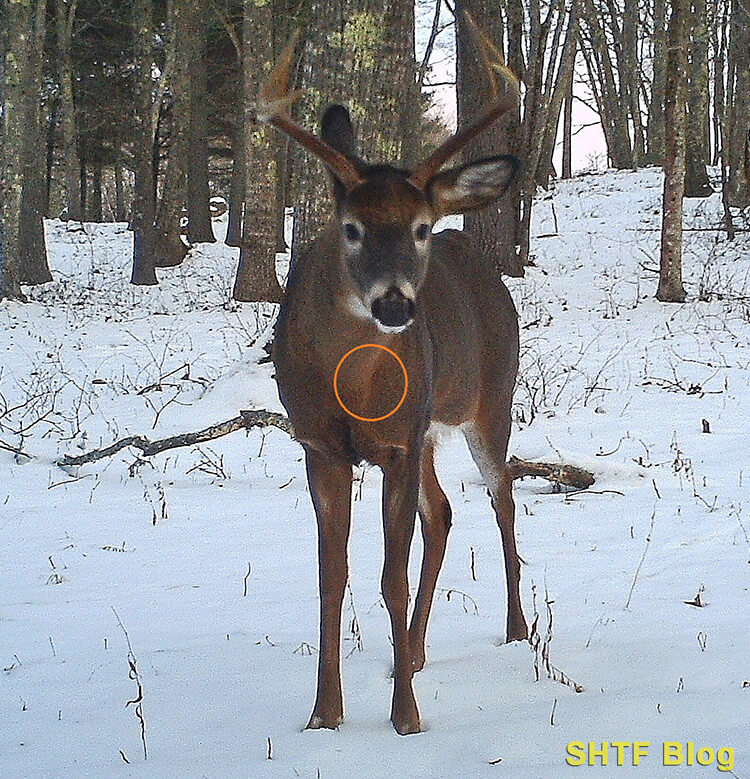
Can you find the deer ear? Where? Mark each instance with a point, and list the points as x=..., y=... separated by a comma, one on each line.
x=472, y=186
x=337, y=131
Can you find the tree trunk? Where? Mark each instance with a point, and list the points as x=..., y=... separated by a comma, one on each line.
x=94, y=205
x=83, y=184
x=16, y=39
x=719, y=59
x=738, y=92
x=32, y=248
x=256, y=274
x=120, y=210
x=613, y=105
x=51, y=124
x=696, y=175
x=655, y=123
x=493, y=231
x=237, y=190
x=567, y=139
x=65, y=11
x=170, y=250
x=630, y=77
x=143, y=202
x=670, y=269
x=199, y=229
x=558, y=84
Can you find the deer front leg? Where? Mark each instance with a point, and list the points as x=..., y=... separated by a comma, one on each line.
x=400, y=493
x=330, y=484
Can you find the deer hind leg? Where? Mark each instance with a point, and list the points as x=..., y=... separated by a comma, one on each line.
x=400, y=493
x=488, y=442
x=330, y=484
x=435, y=516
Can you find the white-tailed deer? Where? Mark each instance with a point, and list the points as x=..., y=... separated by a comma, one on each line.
x=379, y=277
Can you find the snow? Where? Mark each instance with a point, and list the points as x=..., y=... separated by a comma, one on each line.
x=206, y=558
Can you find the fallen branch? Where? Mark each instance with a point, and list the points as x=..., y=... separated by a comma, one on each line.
x=245, y=421
x=567, y=475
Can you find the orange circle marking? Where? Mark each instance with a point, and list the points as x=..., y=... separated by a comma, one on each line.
x=336, y=389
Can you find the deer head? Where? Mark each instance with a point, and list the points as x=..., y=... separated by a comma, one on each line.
x=385, y=214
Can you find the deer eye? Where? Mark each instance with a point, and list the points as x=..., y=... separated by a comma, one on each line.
x=352, y=232
x=422, y=231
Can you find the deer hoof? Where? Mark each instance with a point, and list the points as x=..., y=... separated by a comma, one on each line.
x=406, y=720
x=318, y=721
x=516, y=631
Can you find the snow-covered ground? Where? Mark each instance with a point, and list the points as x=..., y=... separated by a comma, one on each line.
x=194, y=575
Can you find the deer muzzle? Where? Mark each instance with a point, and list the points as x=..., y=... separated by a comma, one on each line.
x=393, y=309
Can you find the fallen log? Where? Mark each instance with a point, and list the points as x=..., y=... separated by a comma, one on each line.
x=558, y=473
x=245, y=421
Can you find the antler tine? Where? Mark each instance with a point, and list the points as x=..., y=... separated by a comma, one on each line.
x=499, y=104
x=274, y=102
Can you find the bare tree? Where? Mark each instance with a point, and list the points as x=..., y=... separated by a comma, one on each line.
x=655, y=122
x=200, y=229
x=696, y=175
x=601, y=38
x=15, y=39
x=170, y=249
x=670, y=269
x=567, y=133
x=65, y=14
x=542, y=51
x=738, y=110
x=143, y=203
x=32, y=248
x=256, y=275
x=493, y=231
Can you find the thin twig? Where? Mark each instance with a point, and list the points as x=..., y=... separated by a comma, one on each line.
x=643, y=557
x=135, y=675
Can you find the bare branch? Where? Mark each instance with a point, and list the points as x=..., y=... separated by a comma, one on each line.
x=430, y=44
x=245, y=421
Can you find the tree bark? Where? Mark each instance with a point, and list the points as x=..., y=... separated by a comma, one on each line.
x=15, y=39
x=256, y=274
x=567, y=138
x=120, y=209
x=170, y=250
x=696, y=175
x=738, y=92
x=237, y=190
x=94, y=205
x=65, y=12
x=199, y=229
x=143, y=202
x=655, y=122
x=32, y=247
x=558, y=84
x=719, y=59
x=670, y=268
x=630, y=76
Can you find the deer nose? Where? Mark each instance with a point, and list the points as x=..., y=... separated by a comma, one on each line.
x=393, y=309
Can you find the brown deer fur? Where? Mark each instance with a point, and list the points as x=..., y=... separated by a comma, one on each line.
x=377, y=276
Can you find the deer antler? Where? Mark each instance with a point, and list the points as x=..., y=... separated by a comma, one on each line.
x=274, y=101
x=494, y=64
